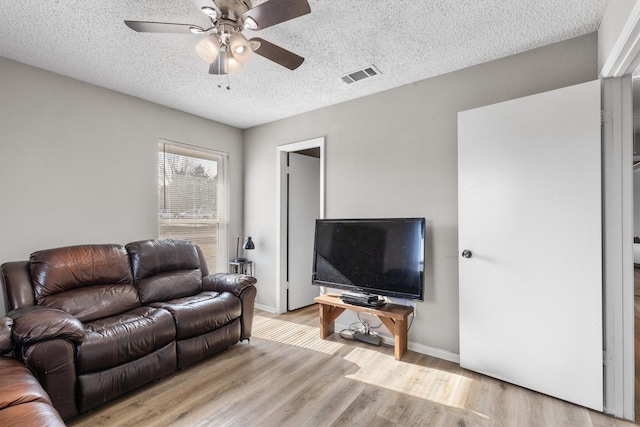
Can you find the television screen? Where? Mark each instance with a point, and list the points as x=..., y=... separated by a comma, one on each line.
x=376, y=256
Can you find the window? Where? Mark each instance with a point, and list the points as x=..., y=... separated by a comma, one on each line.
x=192, y=199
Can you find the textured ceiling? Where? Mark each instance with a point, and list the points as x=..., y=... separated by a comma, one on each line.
x=407, y=40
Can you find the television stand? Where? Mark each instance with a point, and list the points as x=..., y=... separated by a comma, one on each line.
x=393, y=316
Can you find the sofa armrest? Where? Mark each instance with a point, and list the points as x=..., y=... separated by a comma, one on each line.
x=228, y=282
x=240, y=285
x=34, y=323
x=6, y=344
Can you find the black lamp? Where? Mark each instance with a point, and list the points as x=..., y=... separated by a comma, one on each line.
x=247, y=245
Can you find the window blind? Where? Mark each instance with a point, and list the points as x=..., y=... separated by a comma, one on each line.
x=193, y=199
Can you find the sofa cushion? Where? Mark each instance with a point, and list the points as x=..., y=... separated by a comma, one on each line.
x=150, y=257
x=18, y=385
x=23, y=401
x=31, y=414
x=97, y=388
x=95, y=302
x=202, y=313
x=63, y=269
x=87, y=281
x=116, y=340
x=165, y=269
x=195, y=349
x=167, y=286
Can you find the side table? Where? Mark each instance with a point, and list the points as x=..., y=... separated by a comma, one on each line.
x=241, y=267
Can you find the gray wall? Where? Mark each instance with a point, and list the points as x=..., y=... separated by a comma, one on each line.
x=394, y=154
x=78, y=163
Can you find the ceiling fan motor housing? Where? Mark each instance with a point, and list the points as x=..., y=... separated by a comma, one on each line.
x=232, y=10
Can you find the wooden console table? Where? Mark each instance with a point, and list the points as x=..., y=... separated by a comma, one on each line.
x=393, y=316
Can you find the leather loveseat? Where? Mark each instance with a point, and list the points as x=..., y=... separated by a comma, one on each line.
x=23, y=402
x=93, y=322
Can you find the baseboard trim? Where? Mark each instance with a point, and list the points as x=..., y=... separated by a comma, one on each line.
x=413, y=346
x=434, y=352
x=266, y=308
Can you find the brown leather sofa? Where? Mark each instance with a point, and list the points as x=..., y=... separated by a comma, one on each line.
x=23, y=402
x=93, y=322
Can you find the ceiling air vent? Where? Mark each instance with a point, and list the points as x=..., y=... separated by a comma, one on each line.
x=355, y=76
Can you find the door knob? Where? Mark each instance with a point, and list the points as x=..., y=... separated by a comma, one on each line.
x=466, y=253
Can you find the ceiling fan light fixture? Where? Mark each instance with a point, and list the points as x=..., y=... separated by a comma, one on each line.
x=240, y=48
x=208, y=48
x=233, y=65
x=225, y=64
x=250, y=23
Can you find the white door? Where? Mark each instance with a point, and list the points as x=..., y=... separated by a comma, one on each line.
x=303, y=210
x=529, y=177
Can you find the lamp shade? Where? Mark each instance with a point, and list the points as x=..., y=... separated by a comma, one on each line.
x=231, y=64
x=208, y=48
x=240, y=48
x=249, y=244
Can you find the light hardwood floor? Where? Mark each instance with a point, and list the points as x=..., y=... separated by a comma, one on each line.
x=288, y=376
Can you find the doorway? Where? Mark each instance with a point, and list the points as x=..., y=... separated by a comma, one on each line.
x=295, y=241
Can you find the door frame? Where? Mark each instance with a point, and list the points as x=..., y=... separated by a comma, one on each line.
x=617, y=188
x=617, y=141
x=281, y=209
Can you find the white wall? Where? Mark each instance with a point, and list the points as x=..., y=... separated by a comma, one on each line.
x=394, y=154
x=78, y=163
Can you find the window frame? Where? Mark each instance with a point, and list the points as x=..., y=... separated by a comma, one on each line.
x=222, y=205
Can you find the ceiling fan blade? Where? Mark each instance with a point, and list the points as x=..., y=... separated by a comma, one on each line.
x=273, y=12
x=276, y=54
x=162, y=27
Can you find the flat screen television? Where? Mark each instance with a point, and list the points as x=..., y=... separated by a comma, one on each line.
x=372, y=256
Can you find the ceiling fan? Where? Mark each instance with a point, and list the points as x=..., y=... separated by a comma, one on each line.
x=225, y=47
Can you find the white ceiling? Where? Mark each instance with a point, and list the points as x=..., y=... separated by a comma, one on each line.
x=407, y=40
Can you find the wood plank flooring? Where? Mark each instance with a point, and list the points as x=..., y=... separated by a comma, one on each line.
x=288, y=376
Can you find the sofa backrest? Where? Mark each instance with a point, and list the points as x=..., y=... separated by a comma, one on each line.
x=165, y=269
x=87, y=281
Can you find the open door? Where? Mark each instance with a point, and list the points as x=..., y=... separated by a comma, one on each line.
x=530, y=226
x=294, y=251
x=303, y=210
